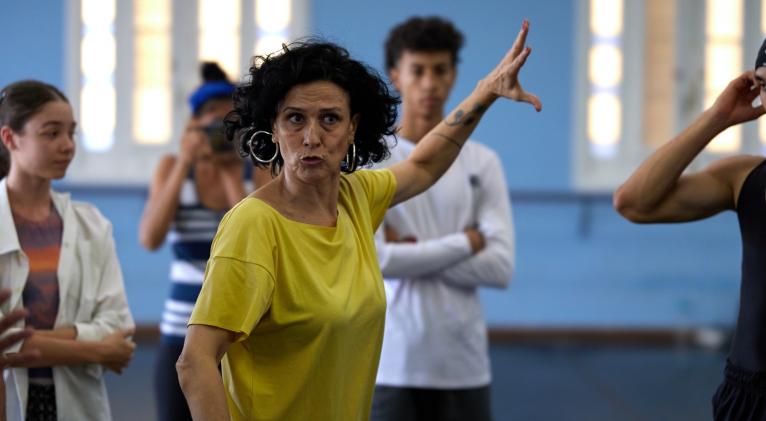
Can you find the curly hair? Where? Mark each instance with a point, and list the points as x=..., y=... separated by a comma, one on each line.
x=430, y=33
x=270, y=79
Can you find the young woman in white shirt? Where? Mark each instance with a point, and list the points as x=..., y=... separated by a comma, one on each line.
x=58, y=258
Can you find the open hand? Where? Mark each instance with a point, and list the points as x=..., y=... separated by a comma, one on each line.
x=503, y=81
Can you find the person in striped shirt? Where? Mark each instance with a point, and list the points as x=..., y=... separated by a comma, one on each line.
x=189, y=195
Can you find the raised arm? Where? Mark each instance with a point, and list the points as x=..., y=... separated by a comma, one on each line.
x=160, y=208
x=659, y=192
x=439, y=148
x=165, y=190
x=198, y=372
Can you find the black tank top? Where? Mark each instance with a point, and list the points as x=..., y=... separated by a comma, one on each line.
x=749, y=346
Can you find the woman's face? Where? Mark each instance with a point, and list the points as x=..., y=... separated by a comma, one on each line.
x=45, y=146
x=314, y=128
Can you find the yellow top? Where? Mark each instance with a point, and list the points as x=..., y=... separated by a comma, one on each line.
x=307, y=302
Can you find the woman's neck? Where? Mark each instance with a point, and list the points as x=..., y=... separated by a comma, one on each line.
x=28, y=195
x=311, y=203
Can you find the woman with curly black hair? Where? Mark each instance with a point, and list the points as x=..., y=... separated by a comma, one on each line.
x=293, y=298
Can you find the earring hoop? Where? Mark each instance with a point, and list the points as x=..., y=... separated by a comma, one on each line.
x=252, y=151
x=351, y=163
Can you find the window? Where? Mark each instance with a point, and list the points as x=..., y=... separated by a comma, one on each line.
x=135, y=62
x=641, y=80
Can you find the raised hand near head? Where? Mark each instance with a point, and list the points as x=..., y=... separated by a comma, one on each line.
x=503, y=80
x=735, y=104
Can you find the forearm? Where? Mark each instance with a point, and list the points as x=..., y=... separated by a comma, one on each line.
x=434, y=154
x=161, y=208
x=68, y=332
x=56, y=351
x=436, y=151
x=203, y=388
x=658, y=175
x=412, y=260
x=490, y=268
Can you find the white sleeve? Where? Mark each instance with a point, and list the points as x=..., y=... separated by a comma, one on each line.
x=411, y=260
x=493, y=266
x=111, y=310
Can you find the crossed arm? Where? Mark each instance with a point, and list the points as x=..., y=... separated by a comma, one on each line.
x=101, y=338
x=451, y=258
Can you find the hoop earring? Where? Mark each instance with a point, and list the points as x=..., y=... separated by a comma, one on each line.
x=351, y=163
x=252, y=151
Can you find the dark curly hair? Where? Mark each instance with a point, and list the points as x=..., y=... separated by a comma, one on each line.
x=430, y=33
x=272, y=76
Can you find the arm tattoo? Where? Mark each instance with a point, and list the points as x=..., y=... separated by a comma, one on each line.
x=468, y=118
x=450, y=140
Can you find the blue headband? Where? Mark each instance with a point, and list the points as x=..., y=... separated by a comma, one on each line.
x=208, y=91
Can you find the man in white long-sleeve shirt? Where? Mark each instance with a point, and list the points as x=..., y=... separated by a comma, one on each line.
x=438, y=248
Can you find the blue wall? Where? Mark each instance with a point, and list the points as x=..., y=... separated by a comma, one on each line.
x=535, y=148
x=33, y=41
x=578, y=263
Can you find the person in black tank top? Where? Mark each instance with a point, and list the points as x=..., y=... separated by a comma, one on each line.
x=658, y=191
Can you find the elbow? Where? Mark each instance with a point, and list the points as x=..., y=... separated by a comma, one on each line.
x=184, y=369
x=625, y=203
x=505, y=276
x=149, y=241
x=509, y=273
x=501, y=276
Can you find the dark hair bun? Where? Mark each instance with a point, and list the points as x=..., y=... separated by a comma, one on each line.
x=212, y=72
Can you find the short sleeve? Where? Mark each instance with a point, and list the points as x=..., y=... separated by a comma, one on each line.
x=234, y=296
x=380, y=187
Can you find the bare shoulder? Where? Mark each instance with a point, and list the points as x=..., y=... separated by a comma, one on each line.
x=734, y=170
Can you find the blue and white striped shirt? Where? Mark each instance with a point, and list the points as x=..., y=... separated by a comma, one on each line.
x=190, y=238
